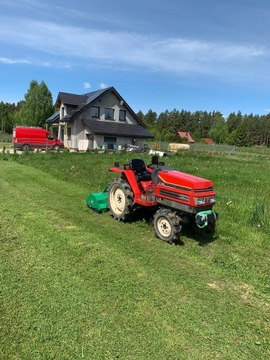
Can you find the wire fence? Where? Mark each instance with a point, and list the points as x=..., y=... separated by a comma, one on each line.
x=227, y=150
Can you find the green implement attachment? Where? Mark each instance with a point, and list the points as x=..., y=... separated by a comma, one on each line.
x=98, y=201
x=203, y=218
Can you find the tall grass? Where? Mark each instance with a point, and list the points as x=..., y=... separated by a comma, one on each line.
x=259, y=216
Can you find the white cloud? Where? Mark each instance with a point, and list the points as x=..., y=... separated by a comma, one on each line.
x=14, y=61
x=86, y=85
x=4, y=60
x=122, y=49
x=103, y=85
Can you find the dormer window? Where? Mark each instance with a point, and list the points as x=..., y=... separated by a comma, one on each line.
x=122, y=115
x=109, y=114
x=95, y=112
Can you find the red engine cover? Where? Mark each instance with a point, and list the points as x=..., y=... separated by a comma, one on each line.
x=183, y=180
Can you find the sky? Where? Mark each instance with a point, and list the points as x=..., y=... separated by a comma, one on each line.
x=207, y=55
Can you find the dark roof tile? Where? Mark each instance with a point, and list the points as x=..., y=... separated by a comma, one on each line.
x=72, y=99
x=99, y=127
x=53, y=118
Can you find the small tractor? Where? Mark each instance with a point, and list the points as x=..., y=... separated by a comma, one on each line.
x=175, y=198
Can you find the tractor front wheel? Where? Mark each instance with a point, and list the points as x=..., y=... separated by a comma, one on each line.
x=167, y=225
x=120, y=199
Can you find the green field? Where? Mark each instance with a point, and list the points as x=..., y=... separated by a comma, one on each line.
x=80, y=285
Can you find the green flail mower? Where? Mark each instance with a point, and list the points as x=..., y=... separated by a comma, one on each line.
x=98, y=201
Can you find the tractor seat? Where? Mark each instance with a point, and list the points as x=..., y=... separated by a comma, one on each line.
x=139, y=168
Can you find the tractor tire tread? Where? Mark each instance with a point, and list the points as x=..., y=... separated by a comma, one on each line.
x=174, y=220
x=123, y=185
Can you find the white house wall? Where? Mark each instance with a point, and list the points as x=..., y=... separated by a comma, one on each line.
x=78, y=131
x=99, y=141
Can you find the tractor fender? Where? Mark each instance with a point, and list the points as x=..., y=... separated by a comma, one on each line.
x=130, y=177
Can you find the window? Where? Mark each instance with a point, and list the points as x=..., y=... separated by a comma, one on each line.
x=110, y=142
x=50, y=137
x=109, y=114
x=95, y=112
x=110, y=139
x=69, y=134
x=122, y=115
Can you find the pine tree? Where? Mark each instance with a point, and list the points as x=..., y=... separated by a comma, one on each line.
x=150, y=118
x=233, y=121
x=241, y=135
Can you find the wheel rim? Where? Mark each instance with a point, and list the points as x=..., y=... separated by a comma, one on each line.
x=117, y=200
x=164, y=227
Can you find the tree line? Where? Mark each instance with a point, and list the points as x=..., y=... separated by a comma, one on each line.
x=237, y=129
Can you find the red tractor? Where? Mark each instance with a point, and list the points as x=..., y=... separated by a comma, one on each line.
x=177, y=198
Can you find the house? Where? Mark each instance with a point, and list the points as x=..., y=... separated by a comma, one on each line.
x=99, y=119
x=186, y=135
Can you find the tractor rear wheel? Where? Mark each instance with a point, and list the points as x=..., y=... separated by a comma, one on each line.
x=167, y=225
x=120, y=199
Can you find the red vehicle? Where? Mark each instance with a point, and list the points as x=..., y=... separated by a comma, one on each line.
x=177, y=198
x=28, y=138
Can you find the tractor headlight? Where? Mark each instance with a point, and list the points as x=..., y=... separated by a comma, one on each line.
x=204, y=200
x=199, y=201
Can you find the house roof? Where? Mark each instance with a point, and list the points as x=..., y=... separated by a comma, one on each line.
x=54, y=117
x=185, y=134
x=81, y=102
x=117, y=129
x=70, y=99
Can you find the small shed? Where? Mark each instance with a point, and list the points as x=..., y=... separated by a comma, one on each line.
x=208, y=140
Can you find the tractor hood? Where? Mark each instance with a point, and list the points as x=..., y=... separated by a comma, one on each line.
x=184, y=181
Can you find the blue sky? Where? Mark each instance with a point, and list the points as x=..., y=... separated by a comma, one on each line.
x=185, y=54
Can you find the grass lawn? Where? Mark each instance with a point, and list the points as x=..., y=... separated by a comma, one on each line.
x=80, y=285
